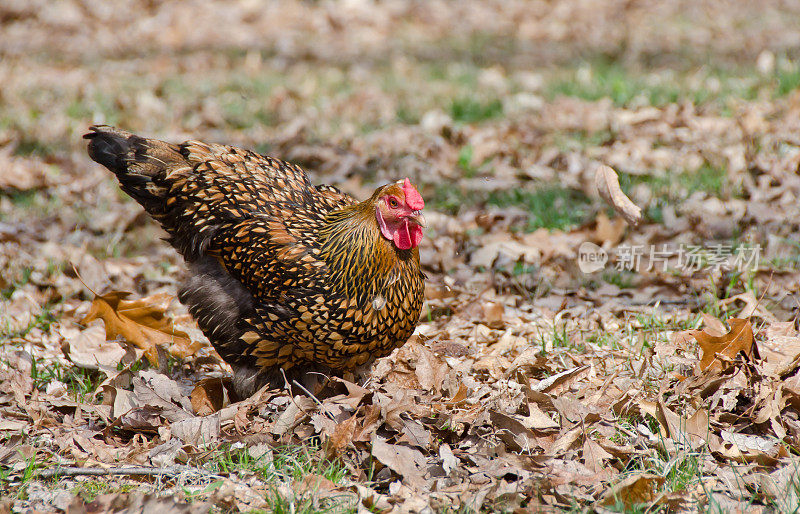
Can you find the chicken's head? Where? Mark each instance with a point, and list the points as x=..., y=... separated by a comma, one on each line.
x=397, y=208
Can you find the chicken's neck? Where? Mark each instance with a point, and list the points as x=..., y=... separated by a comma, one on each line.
x=362, y=262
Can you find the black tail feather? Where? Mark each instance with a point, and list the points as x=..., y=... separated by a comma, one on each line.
x=137, y=162
x=109, y=147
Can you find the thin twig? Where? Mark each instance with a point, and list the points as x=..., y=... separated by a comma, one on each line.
x=319, y=403
x=122, y=470
x=309, y=393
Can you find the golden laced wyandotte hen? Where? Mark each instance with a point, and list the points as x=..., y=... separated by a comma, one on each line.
x=285, y=278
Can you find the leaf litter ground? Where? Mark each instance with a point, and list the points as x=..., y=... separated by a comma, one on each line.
x=529, y=385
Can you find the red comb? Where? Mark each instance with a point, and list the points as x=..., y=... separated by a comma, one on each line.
x=413, y=198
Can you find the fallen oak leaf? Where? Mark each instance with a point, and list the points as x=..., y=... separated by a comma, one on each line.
x=594, y=456
x=208, y=396
x=342, y=437
x=724, y=347
x=407, y=462
x=549, y=383
x=141, y=322
x=456, y=401
x=89, y=349
x=634, y=490
x=752, y=306
x=607, y=183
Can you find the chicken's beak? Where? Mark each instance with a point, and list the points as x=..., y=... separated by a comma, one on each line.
x=417, y=217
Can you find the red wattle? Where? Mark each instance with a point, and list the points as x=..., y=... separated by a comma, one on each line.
x=401, y=236
x=407, y=236
x=416, y=235
x=404, y=235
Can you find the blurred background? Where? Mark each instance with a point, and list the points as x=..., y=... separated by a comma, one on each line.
x=500, y=110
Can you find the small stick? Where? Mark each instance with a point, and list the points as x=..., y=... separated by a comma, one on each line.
x=123, y=470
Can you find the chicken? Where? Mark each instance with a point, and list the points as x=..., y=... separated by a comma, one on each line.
x=285, y=278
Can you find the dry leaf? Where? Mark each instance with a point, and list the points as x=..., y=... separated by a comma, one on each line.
x=141, y=322
x=751, y=308
x=594, y=456
x=608, y=232
x=407, y=462
x=23, y=173
x=197, y=431
x=513, y=432
x=607, y=183
x=548, y=384
x=714, y=327
x=493, y=314
x=632, y=491
x=89, y=349
x=208, y=396
x=449, y=461
x=342, y=436
x=738, y=339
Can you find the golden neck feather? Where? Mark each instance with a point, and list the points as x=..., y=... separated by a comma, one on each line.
x=360, y=259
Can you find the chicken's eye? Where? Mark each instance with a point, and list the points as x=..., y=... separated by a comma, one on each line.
x=393, y=203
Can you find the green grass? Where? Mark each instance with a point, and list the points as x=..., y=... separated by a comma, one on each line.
x=27, y=147
x=559, y=338
x=621, y=279
x=89, y=490
x=23, y=277
x=551, y=208
x=611, y=80
x=465, y=161
x=676, y=186
x=682, y=471
x=13, y=483
x=470, y=110
x=654, y=327
x=788, y=80
x=707, y=179
x=34, y=204
x=602, y=338
x=672, y=188
x=628, y=86
x=42, y=321
x=577, y=140
x=285, y=465
x=451, y=198
x=80, y=383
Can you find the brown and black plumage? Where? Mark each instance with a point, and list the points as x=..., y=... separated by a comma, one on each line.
x=284, y=275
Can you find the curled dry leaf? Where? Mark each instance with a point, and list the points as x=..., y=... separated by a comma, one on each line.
x=208, y=396
x=142, y=322
x=714, y=326
x=607, y=183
